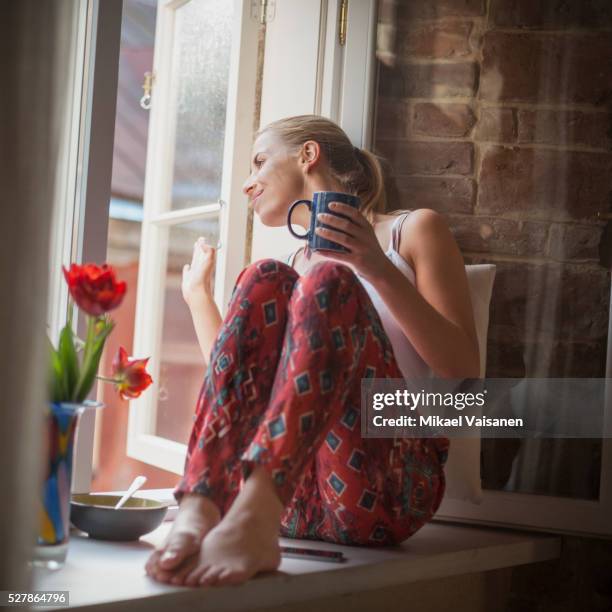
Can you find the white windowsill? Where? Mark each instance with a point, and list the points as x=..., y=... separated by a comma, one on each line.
x=110, y=575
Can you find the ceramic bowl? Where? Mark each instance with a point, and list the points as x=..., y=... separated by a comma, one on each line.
x=94, y=514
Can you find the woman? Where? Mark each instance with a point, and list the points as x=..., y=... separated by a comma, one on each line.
x=276, y=445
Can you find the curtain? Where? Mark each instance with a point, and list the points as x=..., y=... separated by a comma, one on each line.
x=35, y=43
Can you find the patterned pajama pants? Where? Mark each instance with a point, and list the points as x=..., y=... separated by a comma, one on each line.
x=283, y=390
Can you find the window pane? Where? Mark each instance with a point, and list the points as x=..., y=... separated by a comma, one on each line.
x=504, y=133
x=113, y=470
x=182, y=363
x=201, y=58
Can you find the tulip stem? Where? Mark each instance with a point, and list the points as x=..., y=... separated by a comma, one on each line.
x=107, y=379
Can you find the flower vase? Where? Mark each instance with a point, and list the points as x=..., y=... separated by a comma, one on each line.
x=54, y=504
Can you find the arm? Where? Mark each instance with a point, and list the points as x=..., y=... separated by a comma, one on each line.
x=198, y=294
x=206, y=322
x=437, y=318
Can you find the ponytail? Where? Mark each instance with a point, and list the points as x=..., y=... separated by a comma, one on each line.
x=357, y=170
x=371, y=189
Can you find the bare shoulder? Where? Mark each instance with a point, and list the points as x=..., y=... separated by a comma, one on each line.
x=439, y=267
x=426, y=231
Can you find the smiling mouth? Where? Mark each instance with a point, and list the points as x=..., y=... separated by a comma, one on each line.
x=256, y=198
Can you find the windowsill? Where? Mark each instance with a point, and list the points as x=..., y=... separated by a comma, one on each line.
x=110, y=575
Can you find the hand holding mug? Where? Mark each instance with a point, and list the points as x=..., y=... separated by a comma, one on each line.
x=341, y=233
x=320, y=204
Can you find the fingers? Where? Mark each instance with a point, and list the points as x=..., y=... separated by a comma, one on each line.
x=201, y=243
x=350, y=211
x=333, y=235
x=339, y=223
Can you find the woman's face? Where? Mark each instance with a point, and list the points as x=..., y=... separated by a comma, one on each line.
x=276, y=179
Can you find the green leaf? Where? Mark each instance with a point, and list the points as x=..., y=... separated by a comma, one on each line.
x=56, y=375
x=70, y=363
x=92, y=362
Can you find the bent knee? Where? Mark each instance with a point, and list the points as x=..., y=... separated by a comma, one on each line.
x=328, y=273
x=268, y=269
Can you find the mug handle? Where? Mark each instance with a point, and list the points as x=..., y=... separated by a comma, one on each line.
x=296, y=203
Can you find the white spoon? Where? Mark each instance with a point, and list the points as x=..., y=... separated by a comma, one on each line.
x=136, y=484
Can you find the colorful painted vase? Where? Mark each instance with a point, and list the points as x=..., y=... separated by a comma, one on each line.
x=54, y=512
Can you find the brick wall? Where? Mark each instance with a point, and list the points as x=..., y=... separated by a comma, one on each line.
x=498, y=115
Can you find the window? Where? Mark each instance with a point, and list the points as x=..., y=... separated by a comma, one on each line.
x=438, y=104
x=200, y=135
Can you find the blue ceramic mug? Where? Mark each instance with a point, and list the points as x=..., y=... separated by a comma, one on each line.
x=320, y=204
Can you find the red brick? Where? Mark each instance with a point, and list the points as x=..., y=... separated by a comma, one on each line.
x=452, y=120
x=551, y=14
x=391, y=118
x=428, y=157
x=496, y=125
x=552, y=127
x=441, y=194
x=577, y=360
x=584, y=304
x=568, y=184
x=547, y=68
x=505, y=360
x=499, y=236
x=565, y=303
x=428, y=80
x=435, y=40
x=569, y=242
x=409, y=10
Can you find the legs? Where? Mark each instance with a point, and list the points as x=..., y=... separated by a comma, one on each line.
x=277, y=426
x=233, y=397
x=353, y=490
x=238, y=382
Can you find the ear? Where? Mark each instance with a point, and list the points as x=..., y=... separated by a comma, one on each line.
x=310, y=155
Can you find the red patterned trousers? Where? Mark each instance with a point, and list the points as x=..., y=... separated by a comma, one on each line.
x=283, y=390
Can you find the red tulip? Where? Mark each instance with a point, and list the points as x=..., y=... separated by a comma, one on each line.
x=94, y=288
x=131, y=378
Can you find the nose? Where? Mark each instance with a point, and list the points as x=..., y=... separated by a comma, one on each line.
x=248, y=185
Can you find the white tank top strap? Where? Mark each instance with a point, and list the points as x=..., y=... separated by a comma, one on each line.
x=396, y=230
x=290, y=258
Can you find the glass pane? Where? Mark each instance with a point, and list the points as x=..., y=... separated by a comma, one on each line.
x=201, y=58
x=182, y=363
x=113, y=470
x=502, y=127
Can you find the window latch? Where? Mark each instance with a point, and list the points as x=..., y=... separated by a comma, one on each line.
x=147, y=87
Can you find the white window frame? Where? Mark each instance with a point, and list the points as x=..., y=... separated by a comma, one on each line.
x=80, y=218
x=143, y=442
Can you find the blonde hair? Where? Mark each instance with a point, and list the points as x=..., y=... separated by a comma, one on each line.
x=357, y=170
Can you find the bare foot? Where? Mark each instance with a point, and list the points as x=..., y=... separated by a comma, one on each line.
x=178, y=556
x=245, y=542
x=235, y=550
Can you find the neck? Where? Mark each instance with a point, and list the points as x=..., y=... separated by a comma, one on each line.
x=318, y=182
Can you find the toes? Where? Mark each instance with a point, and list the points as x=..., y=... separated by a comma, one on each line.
x=176, y=550
x=232, y=576
x=162, y=576
x=179, y=576
x=194, y=576
x=224, y=576
x=152, y=561
x=211, y=576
